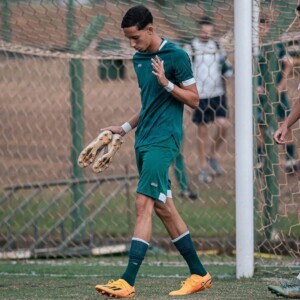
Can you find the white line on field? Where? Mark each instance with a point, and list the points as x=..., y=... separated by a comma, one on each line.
x=34, y=274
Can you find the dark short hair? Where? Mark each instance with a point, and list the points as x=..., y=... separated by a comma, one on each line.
x=263, y=20
x=138, y=16
x=205, y=21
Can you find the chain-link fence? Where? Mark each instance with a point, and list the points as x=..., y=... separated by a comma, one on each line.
x=55, y=97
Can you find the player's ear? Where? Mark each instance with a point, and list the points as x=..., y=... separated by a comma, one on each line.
x=150, y=29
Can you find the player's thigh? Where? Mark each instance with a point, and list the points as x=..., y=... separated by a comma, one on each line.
x=222, y=122
x=165, y=210
x=154, y=172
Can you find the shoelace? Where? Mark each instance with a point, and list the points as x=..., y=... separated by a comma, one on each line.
x=186, y=281
x=116, y=283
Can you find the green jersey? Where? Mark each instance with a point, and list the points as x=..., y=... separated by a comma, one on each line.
x=161, y=114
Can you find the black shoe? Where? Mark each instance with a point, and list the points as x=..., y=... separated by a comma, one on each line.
x=188, y=194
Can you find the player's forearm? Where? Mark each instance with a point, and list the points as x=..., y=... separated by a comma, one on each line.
x=287, y=68
x=285, y=74
x=133, y=121
x=294, y=115
x=187, y=95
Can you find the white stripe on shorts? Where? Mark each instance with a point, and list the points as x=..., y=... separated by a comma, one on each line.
x=162, y=197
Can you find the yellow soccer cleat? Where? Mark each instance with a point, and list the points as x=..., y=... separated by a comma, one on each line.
x=193, y=284
x=116, y=289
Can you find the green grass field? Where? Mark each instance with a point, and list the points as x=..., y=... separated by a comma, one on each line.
x=76, y=278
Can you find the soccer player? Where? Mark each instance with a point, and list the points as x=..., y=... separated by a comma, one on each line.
x=283, y=106
x=166, y=83
x=287, y=289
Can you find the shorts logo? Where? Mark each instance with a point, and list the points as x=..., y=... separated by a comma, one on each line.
x=139, y=65
x=298, y=86
x=154, y=184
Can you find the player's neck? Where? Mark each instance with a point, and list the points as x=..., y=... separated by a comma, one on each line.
x=155, y=44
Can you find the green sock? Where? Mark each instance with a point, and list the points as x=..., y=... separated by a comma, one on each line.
x=137, y=253
x=186, y=247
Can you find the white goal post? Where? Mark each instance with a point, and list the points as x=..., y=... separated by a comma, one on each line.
x=244, y=138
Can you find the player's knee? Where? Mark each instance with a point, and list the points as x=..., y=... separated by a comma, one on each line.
x=163, y=211
x=223, y=123
x=144, y=206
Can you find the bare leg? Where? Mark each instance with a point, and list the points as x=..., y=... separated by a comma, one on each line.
x=260, y=132
x=180, y=236
x=143, y=225
x=170, y=217
x=220, y=135
x=203, y=143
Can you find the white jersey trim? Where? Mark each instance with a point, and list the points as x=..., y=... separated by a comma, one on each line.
x=189, y=82
x=162, y=44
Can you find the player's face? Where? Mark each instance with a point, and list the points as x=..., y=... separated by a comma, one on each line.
x=206, y=32
x=140, y=40
x=264, y=29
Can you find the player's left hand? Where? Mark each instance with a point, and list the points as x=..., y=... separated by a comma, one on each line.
x=159, y=70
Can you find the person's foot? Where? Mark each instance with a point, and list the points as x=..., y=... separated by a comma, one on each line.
x=116, y=289
x=291, y=165
x=214, y=164
x=260, y=163
x=287, y=289
x=188, y=194
x=204, y=176
x=193, y=284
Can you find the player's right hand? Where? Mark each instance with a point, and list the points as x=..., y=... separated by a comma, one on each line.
x=115, y=129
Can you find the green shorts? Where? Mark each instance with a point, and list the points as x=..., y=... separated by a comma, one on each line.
x=153, y=162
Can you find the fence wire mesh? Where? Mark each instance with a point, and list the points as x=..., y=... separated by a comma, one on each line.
x=39, y=212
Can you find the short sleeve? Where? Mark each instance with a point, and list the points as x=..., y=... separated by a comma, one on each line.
x=183, y=68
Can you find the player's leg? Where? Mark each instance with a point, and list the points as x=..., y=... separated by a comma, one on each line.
x=152, y=187
x=181, y=238
x=200, y=119
x=260, y=120
x=219, y=106
x=124, y=287
x=287, y=289
x=181, y=176
x=141, y=237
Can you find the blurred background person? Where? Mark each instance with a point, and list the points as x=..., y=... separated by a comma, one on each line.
x=283, y=107
x=210, y=67
x=181, y=176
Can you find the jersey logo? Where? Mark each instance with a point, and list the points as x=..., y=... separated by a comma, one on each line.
x=154, y=184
